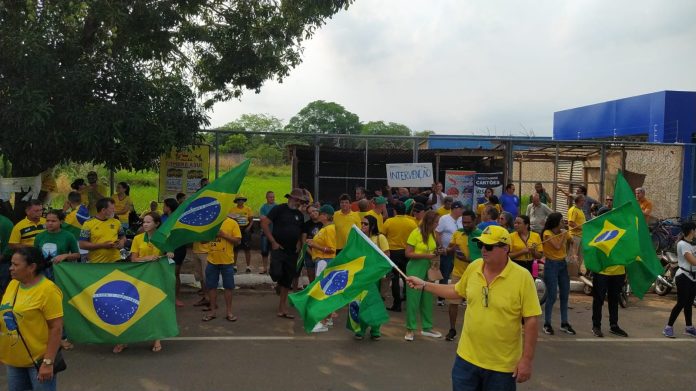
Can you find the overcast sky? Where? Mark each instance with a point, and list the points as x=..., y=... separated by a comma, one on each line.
x=474, y=67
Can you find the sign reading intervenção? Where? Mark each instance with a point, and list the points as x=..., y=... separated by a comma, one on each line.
x=410, y=175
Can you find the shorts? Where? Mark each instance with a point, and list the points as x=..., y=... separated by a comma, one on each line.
x=265, y=246
x=214, y=272
x=179, y=255
x=454, y=280
x=283, y=267
x=309, y=263
x=245, y=244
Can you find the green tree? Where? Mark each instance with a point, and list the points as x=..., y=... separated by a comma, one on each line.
x=325, y=118
x=121, y=81
x=256, y=123
x=387, y=129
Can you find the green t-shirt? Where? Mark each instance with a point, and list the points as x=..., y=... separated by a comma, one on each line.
x=52, y=244
x=5, y=231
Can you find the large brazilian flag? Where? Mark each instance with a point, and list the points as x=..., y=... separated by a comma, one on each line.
x=199, y=218
x=611, y=239
x=354, y=270
x=118, y=302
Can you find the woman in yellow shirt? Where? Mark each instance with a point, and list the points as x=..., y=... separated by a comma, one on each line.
x=143, y=250
x=526, y=245
x=31, y=307
x=556, y=271
x=421, y=249
x=122, y=203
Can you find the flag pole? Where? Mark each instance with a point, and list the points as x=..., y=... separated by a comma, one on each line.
x=386, y=258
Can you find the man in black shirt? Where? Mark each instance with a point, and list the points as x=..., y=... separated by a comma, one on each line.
x=285, y=239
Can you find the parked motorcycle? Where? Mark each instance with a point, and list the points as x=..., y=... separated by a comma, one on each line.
x=665, y=281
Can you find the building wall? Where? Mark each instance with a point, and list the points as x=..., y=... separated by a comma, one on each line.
x=663, y=177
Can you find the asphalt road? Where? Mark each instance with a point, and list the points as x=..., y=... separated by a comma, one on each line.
x=263, y=352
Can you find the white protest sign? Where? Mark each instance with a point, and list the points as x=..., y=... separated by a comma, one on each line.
x=32, y=185
x=410, y=175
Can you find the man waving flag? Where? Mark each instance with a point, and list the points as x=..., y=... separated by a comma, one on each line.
x=199, y=218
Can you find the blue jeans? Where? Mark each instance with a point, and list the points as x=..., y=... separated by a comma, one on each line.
x=468, y=377
x=21, y=379
x=265, y=246
x=557, y=282
x=446, y=265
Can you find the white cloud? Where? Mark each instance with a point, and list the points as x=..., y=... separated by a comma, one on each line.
x=456, y=66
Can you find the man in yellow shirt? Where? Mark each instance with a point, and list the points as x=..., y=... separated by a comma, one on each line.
x=365, y=210
x=221, y=264
x=646, y=205
x=446, y=206
x=397, y=229
x=244, y=216
x=94, y=191
x=344, y=219
x=576, y=218
x=103, y=235
x=493, y=349
x=25, y=231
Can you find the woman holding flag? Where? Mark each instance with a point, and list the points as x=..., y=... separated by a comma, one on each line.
x=143, y=250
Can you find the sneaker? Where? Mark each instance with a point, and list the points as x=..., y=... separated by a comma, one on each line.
x=567, y=328
x=451, y=334
x=409, y=336
x=616, y=330
x=548, y=329
x=248, y=270
x=320, y=328
x=440, y=303
x=359, y=337
x=375, y=337
x=329, y=322
x=431, y=333
x=668, y=332
x=597, y=332
x=691, y=330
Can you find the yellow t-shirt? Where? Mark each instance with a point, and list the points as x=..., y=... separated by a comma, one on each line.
x=415, y=239
x=25, y=231
x=343, y=223
x=34, y=306
x=120, y=204
x=244, y=215
x=646, y=206
x=552, y=253
x=397, y=229
x=144, y=248
x=93, y=198
x=71, y=219
x=200, y=247
x=517, y=244
x=492, y=331
x=98, y=231
x=615, y=270
x=381, y=242
x=482, y=207
x=221, y=251
x=577, y=216
x=461, y=241
x=326, y=237
x=442, y=211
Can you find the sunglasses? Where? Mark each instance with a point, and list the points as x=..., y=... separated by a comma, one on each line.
x=364, y=223
x=489, y=247
x=484, y=293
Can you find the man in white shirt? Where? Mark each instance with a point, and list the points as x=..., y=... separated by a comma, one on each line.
x=537, y=212
x=446, y=227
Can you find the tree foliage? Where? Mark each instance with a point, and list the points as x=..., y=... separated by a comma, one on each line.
x=324, y=118
x=121, y=81
x=380, y=128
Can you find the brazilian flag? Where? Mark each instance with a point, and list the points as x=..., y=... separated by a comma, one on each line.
x=366, y=310
x=610, y=239
x=118, y=302
x=199, y=218
x=646, y=267
x=356, y=268
x=82, y=215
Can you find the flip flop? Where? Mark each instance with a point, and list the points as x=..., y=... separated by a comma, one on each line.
x=286, y=316
x=119, y=348
x=231, y=318
x=156, y=348
x=208, y=318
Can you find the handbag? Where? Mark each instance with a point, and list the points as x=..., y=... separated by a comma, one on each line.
x=59, y=364
x=434, y=273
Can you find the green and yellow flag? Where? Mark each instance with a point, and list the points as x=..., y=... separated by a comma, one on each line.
x=610, y=239
x=118, y=302
x=199, y=218
x=643, y=272
x=357, y=267
x=366, y=310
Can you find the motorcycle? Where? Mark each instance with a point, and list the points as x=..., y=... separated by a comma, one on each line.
x=538, y=274
x=665, y=281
